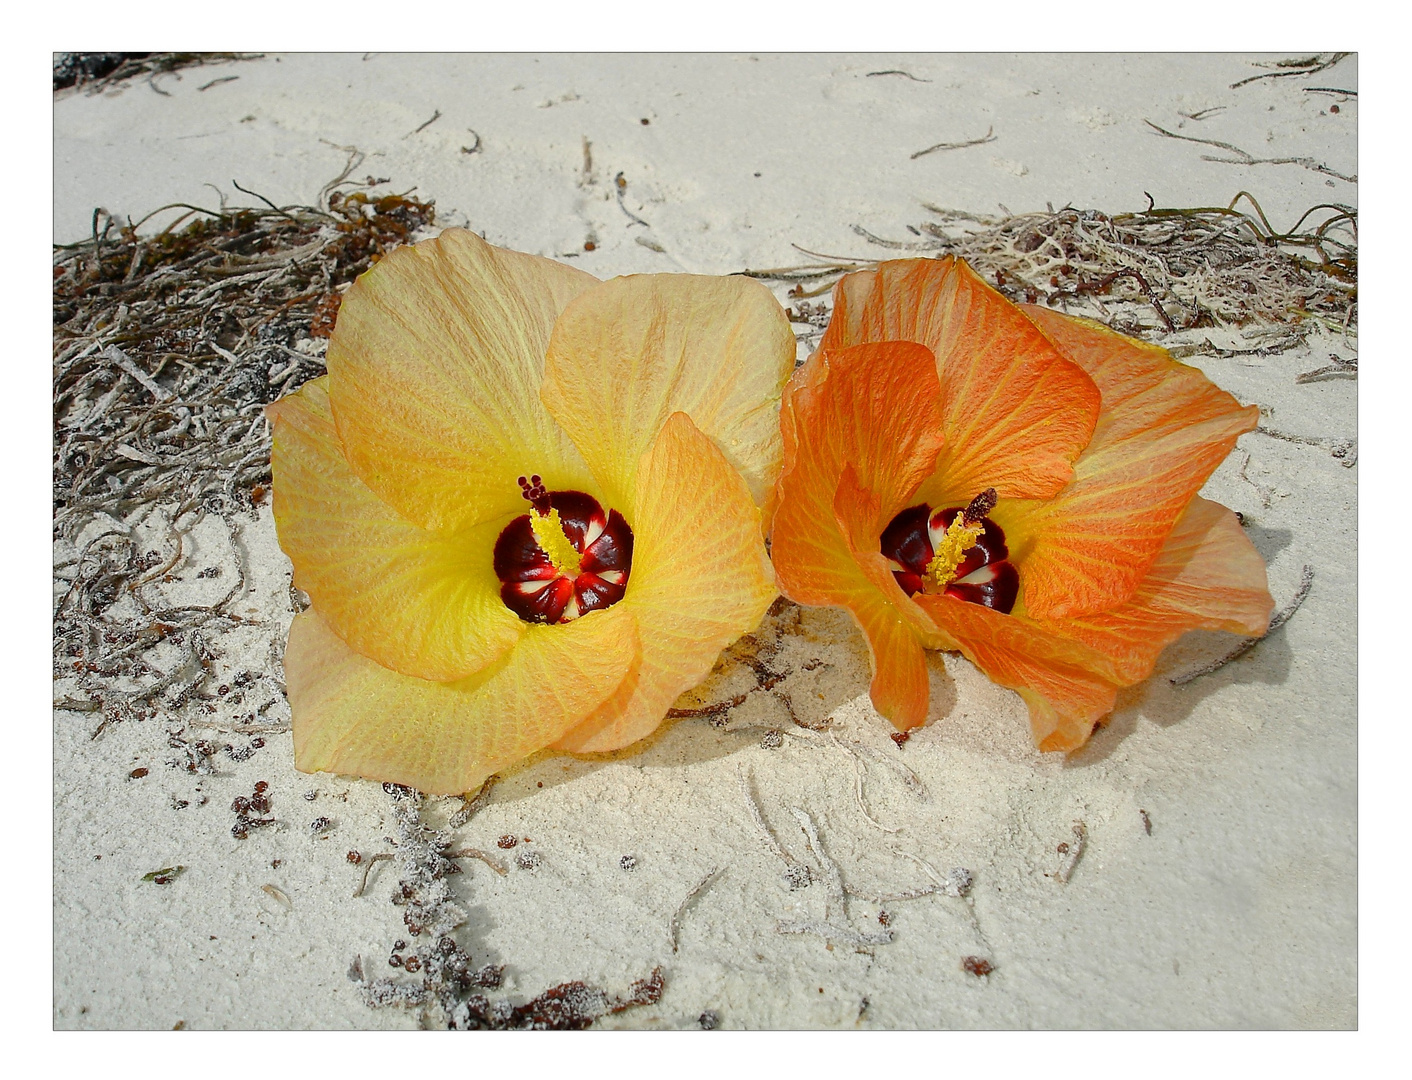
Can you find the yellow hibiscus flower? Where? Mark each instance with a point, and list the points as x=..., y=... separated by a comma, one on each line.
x=525, y=506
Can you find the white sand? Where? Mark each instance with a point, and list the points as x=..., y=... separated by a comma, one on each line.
x=1239, y=908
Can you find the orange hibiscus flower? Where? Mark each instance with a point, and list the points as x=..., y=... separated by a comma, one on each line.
x=1017, y=485
x=524, y=504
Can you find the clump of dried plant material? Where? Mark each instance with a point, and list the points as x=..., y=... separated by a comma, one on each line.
x=978, y=966
x=447, y=985
x=166, y=350
x=1155, y=271
x=103, y=71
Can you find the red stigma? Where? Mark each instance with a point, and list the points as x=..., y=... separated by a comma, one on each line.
x=534, y=493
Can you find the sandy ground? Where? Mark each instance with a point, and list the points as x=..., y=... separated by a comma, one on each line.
x=1236, y=909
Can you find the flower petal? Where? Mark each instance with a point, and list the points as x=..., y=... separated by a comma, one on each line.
x=1016, y=413
x=1065, y=699
x=420, y=602
x=434, y=374
x=355, y=717
x=895, y=627
x=1207, y=576
x=876, y=407
x=1163, y=430
x=862, y=429
x=700, y=579
x=632, y=351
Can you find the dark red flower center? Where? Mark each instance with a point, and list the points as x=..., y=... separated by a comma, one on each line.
x=565, y=559
x=958, y=552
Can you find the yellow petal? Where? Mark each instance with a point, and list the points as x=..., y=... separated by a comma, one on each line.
x=434, y=374
x=354, y=717
x=1164, y=428
x=628, y=353
x=425, y=603
x=700, y=579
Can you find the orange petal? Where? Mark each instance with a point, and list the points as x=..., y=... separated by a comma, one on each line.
x=1163, y=430
x=894, y=626
x=354, y=717
x=434, y=370
x=700, y=579
x=875, y=407
x=1065, y=699
x=1016, y=413
x=420, y=602
x=627, y=354
x=861, y=428
x=1207, y=576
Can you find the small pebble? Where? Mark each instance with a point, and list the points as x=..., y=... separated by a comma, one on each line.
x=528, y=860
x=628, y=862
x=772, y=739
x=708, y=1020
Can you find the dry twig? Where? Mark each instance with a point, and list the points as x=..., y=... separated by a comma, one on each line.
x=1073, y=851
x=989, y=136
x=1305, y=66
x=674, y=926
x=1245, y=158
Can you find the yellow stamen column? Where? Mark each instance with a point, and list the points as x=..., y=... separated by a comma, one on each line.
x=960, y=537
x=549, y=531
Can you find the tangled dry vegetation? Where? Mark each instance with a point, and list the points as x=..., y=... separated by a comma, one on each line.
x=166, y=350
x=101, y=72
x=1156, y=272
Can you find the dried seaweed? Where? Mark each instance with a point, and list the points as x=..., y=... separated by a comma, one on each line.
x=1244, y=157
x=1157, y=270
x=166, y=350
x=448, y=984
x=104, y=71
x=1309, y=65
